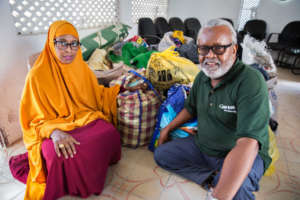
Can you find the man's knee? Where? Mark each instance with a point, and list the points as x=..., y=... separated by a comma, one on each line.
x=168, y=157
x=160, y=155
x=246, y=190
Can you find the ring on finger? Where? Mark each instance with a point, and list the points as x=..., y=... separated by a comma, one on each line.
x=61, y=145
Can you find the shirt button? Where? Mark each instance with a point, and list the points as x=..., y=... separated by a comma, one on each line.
x=211, y=104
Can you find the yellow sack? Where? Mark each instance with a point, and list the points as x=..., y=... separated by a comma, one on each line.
x=167, y=68
x=273, y=152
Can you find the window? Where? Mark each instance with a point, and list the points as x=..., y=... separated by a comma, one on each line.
x=247, y=12
x=149, y=8
x=35, y=16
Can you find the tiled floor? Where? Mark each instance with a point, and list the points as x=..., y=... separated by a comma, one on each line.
x=137, y=177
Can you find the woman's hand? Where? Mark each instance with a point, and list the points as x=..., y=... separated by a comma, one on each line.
x=141, y=86
x=64, y=143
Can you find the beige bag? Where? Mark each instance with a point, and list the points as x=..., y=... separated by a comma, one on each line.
x=98, y=60
x=105, y=77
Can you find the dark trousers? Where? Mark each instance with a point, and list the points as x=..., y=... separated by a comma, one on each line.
x=183, y=157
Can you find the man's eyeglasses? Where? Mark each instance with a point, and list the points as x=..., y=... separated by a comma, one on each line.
x=217, y=49
x=63, y=45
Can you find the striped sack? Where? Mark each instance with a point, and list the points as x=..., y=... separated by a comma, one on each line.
x=137, y=113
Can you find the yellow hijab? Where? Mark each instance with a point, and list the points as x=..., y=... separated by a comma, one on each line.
x=59, y=96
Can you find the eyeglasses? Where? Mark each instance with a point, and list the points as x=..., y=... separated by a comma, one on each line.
x=217, y=49
x=63, y=45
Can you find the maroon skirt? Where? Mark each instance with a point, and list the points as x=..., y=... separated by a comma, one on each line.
x=82, y=175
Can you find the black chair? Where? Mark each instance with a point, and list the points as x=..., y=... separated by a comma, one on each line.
x=147, y=30
x=176, y=23
x=256, y=28
x=296, y=70
x=287, y=45
x=161, y=26
x=192, y=27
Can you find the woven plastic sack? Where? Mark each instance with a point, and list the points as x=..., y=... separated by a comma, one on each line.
x=136, y=111
x=255, y=51
x=166, y=42
x=273, y=152
x=167, y=68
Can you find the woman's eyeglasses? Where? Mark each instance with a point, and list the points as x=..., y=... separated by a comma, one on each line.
x=217, y=49
x=63, y=45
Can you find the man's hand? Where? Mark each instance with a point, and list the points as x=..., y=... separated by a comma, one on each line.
x=180, y=119
x=163, y=136
x=64, y=143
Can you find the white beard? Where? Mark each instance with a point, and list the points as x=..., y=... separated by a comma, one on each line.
x=219, y=70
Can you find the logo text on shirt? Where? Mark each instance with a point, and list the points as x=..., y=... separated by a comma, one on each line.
x=228, y=108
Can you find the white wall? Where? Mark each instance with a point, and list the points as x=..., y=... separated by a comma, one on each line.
x=204, y=9
x=125, y=16
x=278, y=14
x=274, y=12
x=13, y=51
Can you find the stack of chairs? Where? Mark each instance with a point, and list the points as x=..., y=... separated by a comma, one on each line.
x=152, y=32
x=161, y=26
x=176, y=24
x=256, y=28
x=192, y=27
x=147, y=30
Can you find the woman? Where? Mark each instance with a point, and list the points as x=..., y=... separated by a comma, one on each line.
x=66, y=121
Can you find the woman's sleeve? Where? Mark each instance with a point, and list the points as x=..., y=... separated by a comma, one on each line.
x=109, y=102
x=106, y=98
x=37, y=117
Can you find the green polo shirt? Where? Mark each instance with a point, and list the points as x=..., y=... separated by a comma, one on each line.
x=237, y=107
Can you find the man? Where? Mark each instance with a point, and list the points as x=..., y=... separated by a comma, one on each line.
x=230, y=101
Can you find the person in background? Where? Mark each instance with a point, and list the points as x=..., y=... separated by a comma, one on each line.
x=230, y=101
x=67, y=121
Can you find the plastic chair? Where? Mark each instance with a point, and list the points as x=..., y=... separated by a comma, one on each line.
x=192, y=27
x=147, y=31
x=176, y=23
x=161, y=26
x=255, y=28
x=287, y=43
